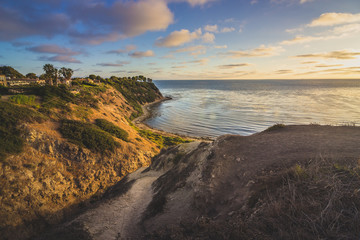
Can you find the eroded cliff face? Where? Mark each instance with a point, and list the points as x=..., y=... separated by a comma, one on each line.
x=289, y=183
x=53, y=178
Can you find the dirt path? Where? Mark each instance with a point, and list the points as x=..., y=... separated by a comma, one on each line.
x=118, y=218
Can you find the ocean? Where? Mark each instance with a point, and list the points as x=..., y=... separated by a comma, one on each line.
x=210, y=108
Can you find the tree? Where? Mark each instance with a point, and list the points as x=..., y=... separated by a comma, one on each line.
x=92, y=76
x=66, y=72
x=31, y=75
x=50, y=73
x=10, y=72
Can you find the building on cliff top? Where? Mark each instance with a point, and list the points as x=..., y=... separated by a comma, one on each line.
x=24, y=81
x=3, y=80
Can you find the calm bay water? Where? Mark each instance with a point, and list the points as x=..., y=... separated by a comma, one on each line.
x=212, y=108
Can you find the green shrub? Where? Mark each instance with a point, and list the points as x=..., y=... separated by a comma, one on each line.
x=23, y=99
x=112, y=129
x=88, y=135
x=161, y=141
x=11, y=116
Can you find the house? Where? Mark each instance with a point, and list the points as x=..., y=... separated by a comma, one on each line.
x=3, y=80
x=24, y=81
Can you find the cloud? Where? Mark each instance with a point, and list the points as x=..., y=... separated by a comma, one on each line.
x=199, y=2
x=53, y=49
x=211, y=28
x=301, y=39
x=15, y=23
x=327, y=66
x=119, y=64
x=335, y=33
x=123, y=19
x=344, y=54
x=305, y=1
x=230, y=66
x=202, y=61
x=127, y=49
x=178, y=38
x=193, y=50
x=228, y=29
x=214, y=29
x=221, y=47
x=140, y=54
x=261, y=51
x=90, y=22
x=331, y=19
x=284, y=71
x=208, y=38
x=60, y=58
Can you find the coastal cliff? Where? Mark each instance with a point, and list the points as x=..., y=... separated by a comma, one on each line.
x=288, y=182
x=62, y=150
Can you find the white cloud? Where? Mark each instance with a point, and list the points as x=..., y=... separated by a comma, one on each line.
x=343, y=54
x=335, y=33
x=199, y=2
x=208, y=38
x=331, y=19
x=120, y=19
x=231, y=66
x=140, y=54
x=228, y=29
x=221, y=47
x=211, y=28
x=305, y=1
x=178, y=38
x=190, y=49
x=261, y=51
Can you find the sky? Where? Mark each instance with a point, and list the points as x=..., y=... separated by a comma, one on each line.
x=184, y=39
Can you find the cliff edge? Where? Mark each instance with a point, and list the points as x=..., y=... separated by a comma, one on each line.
x=288, y=182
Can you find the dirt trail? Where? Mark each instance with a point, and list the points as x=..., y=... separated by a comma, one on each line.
x=119, y=217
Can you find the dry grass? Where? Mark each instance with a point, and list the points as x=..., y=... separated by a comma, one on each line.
x=318, y=201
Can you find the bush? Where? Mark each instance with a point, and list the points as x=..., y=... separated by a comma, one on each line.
x=112, y=129
x=88, y=135
x=162, y=141
x=23, y=99
x=11, y=115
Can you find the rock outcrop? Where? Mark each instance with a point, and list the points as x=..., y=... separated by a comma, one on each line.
x=288, y=183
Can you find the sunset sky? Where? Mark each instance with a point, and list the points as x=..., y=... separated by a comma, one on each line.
x=184, y=39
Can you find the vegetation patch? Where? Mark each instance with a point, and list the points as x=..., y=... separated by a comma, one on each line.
x=160, y=140
x=88, y=135
x=11, y=115
x=112, y=129
x=23, y=99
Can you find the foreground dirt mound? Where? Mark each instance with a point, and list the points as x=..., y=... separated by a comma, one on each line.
x=293, y=182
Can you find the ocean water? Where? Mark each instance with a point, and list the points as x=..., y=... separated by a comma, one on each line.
x=212, y=108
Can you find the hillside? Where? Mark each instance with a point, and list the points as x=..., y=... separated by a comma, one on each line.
x=62, y=147
x=289, y=182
